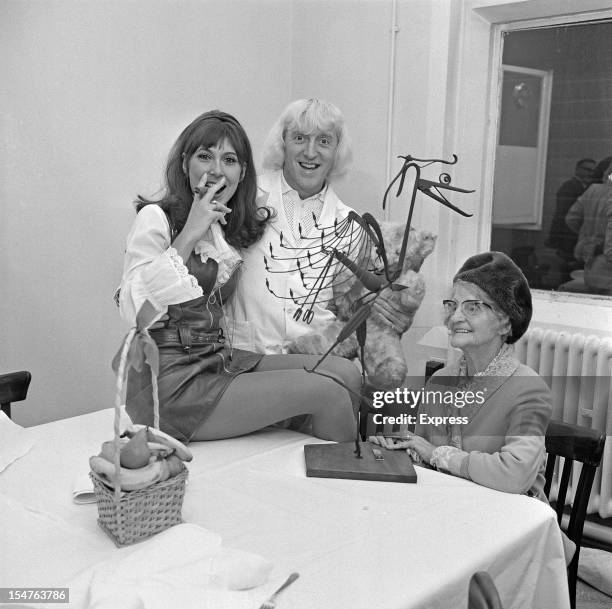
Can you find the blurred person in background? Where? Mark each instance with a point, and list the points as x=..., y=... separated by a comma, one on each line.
x=589, y=217
x=561, y=237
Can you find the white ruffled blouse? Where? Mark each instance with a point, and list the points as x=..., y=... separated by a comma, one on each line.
x=153, y=269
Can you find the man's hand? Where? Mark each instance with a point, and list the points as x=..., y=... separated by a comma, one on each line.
x=391, y=312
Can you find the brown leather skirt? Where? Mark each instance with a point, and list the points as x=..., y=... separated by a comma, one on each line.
x=190, y=383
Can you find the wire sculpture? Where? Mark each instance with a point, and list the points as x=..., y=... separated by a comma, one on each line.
x=351, y=242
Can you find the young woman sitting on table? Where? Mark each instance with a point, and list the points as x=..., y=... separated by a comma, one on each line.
x=499, y=441
x=180, y=257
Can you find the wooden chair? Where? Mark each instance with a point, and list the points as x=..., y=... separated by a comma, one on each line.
x=482, y=593
x=13, y=388
x=574, y=444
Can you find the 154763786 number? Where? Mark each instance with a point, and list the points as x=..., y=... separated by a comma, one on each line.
x=40, y=595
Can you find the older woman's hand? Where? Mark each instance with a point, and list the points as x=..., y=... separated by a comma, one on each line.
x=389, y=443
x=421, y=446
x=412, y=443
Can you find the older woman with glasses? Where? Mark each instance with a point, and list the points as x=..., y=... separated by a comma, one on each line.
x=485, y=417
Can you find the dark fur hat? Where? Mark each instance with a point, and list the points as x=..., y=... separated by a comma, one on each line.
x=504, y=282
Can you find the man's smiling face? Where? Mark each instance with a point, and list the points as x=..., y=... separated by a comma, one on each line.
x=309, y=158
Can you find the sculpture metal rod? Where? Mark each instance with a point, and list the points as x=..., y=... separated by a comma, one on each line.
x=351, y=325
x=402, y=255
x=370, y=281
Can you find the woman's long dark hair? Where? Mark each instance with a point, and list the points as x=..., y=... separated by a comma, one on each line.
x=246, y=223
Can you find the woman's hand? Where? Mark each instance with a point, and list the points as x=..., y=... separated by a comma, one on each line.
x=413, y=442
x=205, y=209
x=388, y=443
x=421, y=446
x=204, y=212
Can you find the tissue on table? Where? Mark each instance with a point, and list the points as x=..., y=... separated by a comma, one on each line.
x=83, y=490
x=16, y=441
x=185, y=566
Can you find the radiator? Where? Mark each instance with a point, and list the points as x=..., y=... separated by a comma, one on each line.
x=578, y=369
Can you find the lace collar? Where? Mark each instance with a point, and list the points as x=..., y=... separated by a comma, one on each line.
x=213, y=245
x=502, y=365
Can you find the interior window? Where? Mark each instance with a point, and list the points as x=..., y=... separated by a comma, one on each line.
x=552, y=197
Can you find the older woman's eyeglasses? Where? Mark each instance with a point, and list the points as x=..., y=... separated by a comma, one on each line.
x=470, y=308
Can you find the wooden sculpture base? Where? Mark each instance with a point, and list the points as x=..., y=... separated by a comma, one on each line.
x=339, y=461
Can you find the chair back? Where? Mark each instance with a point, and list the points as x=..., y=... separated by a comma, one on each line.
x=482, y=593
x=573, y=443
x=585, y=446
x=13, y=388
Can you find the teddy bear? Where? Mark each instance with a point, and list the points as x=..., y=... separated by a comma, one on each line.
x=384, y=359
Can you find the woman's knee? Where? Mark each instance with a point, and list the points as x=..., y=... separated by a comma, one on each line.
x=343, y=369
x=328, y=394
x=333, y=413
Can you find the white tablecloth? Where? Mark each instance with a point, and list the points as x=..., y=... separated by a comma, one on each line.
x=356, y=544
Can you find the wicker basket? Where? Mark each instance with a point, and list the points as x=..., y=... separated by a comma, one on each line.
x=139, y=514
x=131, y=516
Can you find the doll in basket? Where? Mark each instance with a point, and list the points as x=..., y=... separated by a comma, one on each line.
x=183, y=256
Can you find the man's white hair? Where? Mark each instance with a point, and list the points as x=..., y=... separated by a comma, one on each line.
x=306, y=116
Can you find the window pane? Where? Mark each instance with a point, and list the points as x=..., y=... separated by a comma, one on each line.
x=553, y=255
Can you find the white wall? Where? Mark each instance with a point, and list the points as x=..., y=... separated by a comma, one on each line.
x=94, y=94
x=340, y=53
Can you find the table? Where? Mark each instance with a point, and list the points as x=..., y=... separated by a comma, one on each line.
x=356, y=544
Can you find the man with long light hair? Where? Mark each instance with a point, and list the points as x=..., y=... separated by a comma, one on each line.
x=307, y=149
